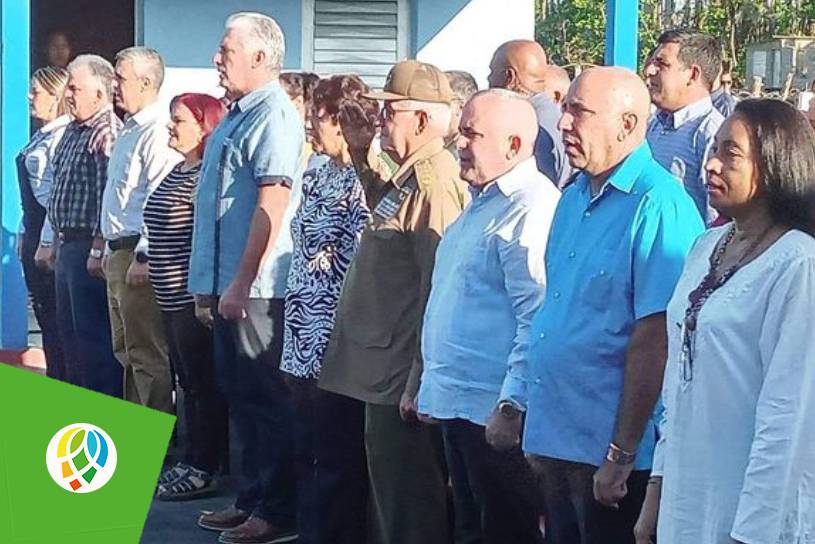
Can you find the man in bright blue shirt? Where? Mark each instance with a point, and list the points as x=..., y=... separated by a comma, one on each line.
x=488, y=281
x=241, y=249
x=616, y=248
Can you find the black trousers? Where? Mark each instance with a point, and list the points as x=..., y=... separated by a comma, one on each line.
x=247, y=360
x=332, y=475
x=40, y=284
x=501, y=485
x=203, y=410
x=574, y=517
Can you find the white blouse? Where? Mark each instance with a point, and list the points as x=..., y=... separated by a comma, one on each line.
x=738, y=439
x=38, y=154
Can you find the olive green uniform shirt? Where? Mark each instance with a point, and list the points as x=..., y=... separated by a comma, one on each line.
x=374, y=353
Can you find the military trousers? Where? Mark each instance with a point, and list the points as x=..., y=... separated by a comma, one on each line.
x=408, y=479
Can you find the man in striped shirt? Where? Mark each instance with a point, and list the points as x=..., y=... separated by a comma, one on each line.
x=79, y=173
x=679, y=75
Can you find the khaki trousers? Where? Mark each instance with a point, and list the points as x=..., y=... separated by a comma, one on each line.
x=138, y=336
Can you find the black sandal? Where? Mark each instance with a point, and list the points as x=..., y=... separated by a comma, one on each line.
x=192, y=484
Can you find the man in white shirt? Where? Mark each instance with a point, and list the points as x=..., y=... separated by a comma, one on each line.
x=140, y=159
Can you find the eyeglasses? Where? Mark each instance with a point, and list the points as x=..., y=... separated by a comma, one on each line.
x=387, y=113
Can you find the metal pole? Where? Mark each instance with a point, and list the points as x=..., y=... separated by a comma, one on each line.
x=622, y=32
x=14, y=132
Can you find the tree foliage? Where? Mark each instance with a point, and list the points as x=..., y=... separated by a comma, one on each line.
x=573, y=31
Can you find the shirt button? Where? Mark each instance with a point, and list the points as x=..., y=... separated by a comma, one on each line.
x=587, y=214
x=602, y=272
x=571, y=254
x=556, y=295
x=543, y=335
x=537, y=380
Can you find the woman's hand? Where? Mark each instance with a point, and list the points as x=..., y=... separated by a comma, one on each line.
x=646, y=528
x=357, y=129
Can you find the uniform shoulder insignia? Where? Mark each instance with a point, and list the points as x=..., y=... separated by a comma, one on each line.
x=425, y=174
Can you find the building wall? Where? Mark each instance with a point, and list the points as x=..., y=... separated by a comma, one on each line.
x=187, y=32
x=463, y=34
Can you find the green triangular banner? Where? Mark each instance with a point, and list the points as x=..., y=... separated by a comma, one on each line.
x=75, y=466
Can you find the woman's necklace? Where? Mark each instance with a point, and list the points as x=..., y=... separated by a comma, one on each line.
x=711, y=282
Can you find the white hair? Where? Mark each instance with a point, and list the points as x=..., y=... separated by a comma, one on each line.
x=99, y=68
x=438, y=113
x=146, y=62
x=264, y=33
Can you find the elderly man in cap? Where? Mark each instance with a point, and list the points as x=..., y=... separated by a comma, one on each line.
x=374, y=354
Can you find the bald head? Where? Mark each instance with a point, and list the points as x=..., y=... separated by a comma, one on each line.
x=604, y=119
x=519, y=65
x=498, y=130
x=556, y=83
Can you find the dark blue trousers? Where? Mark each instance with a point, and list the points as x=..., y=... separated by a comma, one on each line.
x=83, y=322
x=247, y=360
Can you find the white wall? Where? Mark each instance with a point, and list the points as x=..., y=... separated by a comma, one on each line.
x=469, y=40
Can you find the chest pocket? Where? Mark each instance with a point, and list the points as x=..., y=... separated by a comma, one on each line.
x=598, y=289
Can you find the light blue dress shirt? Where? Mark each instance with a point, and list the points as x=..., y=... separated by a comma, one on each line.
x=680, y=142
x=260, y=141
x=488, y=281
x=611, y=260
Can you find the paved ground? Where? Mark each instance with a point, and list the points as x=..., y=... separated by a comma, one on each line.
x=175, y=522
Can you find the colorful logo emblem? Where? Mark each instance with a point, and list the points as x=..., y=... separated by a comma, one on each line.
x=81, y=458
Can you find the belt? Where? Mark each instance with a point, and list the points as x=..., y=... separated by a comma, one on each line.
x=126, y=242
x=69, y=235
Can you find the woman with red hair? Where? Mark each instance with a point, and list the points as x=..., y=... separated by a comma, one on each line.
x=168, y=215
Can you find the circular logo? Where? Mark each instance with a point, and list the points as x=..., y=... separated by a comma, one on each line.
x=81, y=458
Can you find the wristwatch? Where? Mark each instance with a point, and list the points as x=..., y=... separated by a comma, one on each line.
x=508, y=409
x=95, y=253
x=619, y=456
x=141, y=257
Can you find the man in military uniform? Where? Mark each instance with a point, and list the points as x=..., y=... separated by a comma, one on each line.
x=374, y=354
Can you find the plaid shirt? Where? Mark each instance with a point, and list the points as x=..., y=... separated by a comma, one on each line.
x=80, y=172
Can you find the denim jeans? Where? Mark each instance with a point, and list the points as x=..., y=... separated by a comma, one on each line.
x=247, y=361
x=84, y=325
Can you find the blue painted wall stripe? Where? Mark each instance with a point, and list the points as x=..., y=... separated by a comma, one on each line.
x=14, y=70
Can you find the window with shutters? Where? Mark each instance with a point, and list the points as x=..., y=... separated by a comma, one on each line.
x=364, y=37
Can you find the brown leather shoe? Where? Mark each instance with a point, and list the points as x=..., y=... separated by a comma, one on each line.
x=222, y=520
x=257, y=531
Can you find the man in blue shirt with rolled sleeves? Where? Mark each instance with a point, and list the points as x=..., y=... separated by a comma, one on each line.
x=617, y=246
x=241, y=250
x=488, y=281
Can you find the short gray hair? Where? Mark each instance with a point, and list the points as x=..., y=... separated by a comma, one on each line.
x=264, y=32
x=99, y=68
x=146, y=62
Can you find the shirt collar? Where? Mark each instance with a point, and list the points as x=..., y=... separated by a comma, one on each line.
x=249, y=101
x=57, y=123
x=98, y=115
x=627, y=172
x=425, y=152
x=146, y=114
x=514, y=180
x=674, y=120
